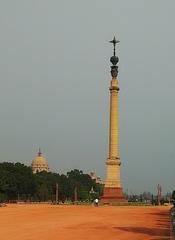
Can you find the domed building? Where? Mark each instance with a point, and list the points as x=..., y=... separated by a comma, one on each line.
x=40, y=163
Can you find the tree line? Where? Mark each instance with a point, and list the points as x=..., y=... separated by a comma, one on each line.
x=18, y=183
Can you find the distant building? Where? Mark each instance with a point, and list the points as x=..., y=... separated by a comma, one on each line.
x=40, y=163
x=95, y=177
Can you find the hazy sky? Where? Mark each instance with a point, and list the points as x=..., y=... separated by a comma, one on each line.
x=55, y=76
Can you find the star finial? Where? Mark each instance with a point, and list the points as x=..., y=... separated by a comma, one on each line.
x=114, y=41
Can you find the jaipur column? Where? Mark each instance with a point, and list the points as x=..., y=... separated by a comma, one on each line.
x=112, y=189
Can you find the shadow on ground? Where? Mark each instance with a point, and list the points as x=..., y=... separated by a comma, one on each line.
x=163, y=232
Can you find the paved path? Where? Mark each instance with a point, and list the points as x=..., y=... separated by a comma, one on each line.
x=50, y=222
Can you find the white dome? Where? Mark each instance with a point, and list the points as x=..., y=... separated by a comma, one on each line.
x=40, y=164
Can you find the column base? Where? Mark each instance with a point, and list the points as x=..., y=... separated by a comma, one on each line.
x=112, y=195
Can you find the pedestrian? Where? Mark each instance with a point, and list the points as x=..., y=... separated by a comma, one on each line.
x=96, y=202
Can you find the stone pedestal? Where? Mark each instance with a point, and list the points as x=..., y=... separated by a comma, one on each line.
x=112, y=195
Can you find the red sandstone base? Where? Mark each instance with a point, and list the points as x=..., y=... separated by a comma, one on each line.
x=112, y=195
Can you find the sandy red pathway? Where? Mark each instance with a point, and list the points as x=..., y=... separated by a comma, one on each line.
x=49, y=222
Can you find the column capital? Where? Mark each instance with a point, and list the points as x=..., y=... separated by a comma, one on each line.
x=113, y=161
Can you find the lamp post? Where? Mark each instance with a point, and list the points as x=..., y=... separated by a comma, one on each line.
x=57, y=200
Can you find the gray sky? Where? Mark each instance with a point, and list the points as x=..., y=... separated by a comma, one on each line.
x=55, y=75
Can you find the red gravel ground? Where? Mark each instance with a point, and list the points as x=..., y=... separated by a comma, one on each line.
x=51, y=222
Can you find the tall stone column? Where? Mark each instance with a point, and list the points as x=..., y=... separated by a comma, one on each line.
x=112, y=190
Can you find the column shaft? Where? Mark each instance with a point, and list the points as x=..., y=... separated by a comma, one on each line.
x=113, y=132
